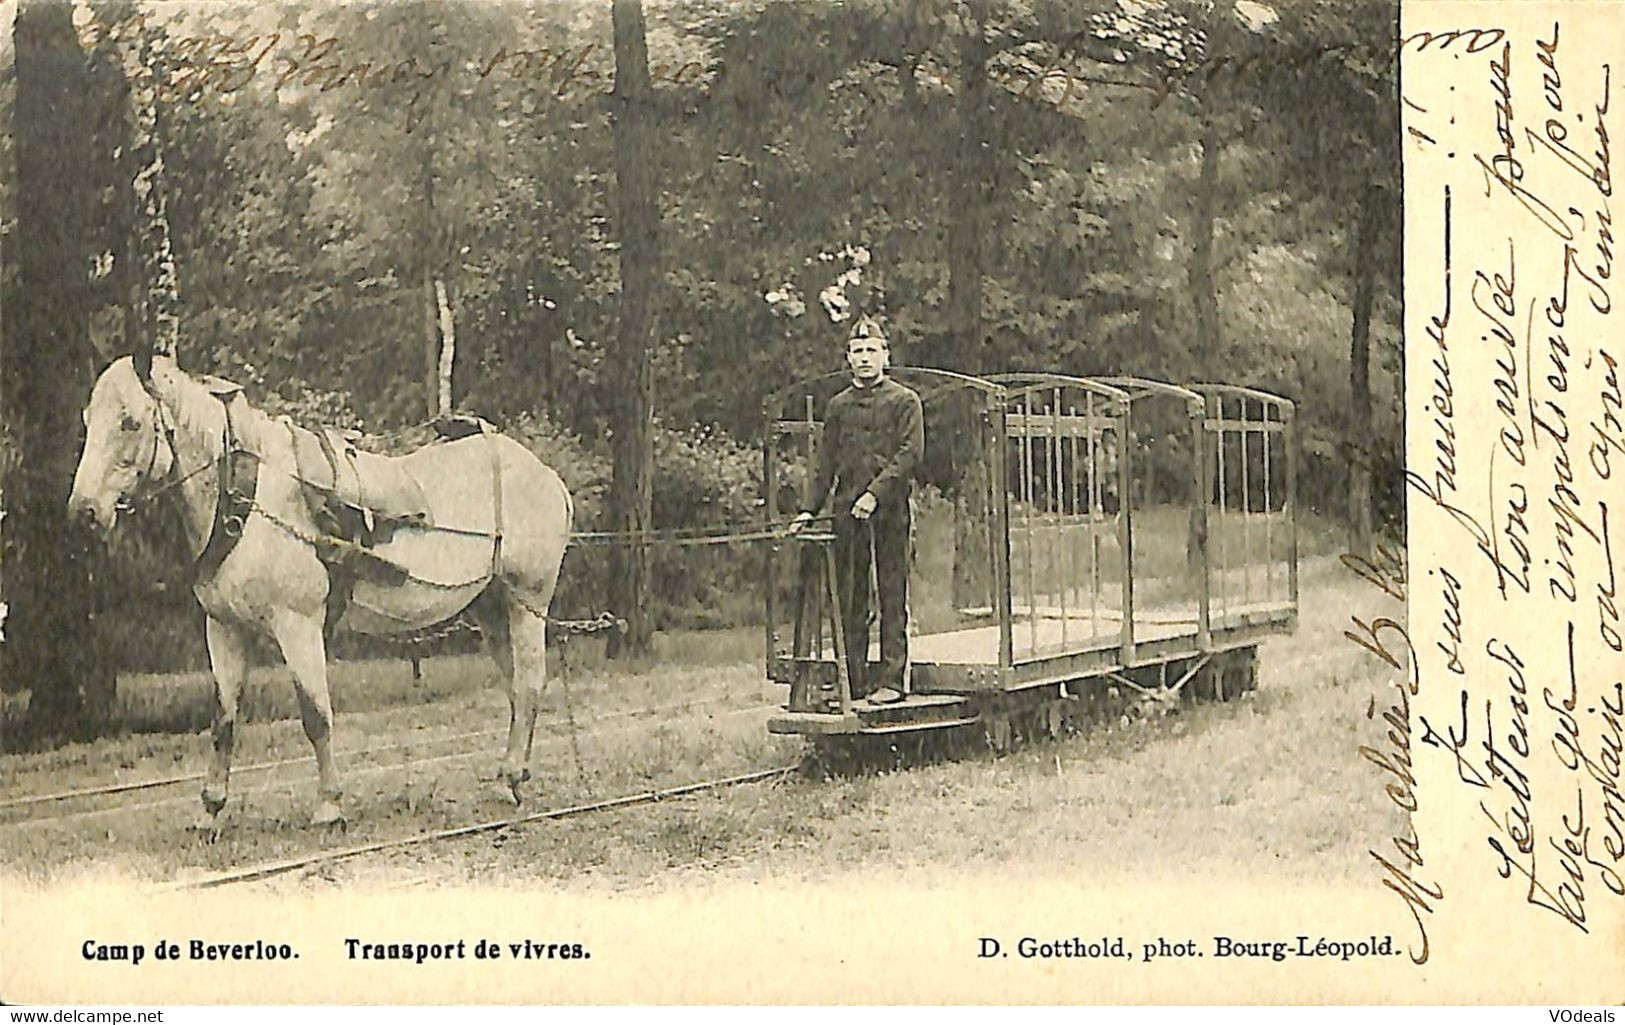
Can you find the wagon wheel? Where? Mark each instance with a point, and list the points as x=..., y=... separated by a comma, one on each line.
x=962, y=742
x=1035, y=726
x=1250, y=673
x=916, y=749
x=829, y=757
x=1055, y=716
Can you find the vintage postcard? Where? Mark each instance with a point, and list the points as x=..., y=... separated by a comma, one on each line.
x=746, y=502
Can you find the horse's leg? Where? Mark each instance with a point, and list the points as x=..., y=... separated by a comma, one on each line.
x=527, y=638
x=490, y=613
x=228, y=661
x=303, y=648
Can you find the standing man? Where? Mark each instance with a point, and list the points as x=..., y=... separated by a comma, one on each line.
x=874, y=439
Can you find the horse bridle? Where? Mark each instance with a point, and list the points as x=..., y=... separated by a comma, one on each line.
x=163, y=435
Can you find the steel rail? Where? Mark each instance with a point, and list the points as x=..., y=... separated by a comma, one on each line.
x=284, y=786
x=267, y=869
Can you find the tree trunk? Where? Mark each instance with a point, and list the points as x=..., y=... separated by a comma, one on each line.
x=8, y=448
x=1360, y=427
x=115, y=149
x=970, y=167
x=159, y=295
x=46, y=372
x=631, y=488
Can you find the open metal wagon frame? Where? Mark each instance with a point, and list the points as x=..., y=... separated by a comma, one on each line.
x=1072, y=536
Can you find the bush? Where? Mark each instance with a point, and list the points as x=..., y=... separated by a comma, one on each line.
x=703, y=482
x=706, y=481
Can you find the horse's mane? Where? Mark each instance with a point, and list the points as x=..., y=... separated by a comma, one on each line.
x=194, y=406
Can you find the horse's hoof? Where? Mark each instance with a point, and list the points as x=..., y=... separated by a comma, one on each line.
x=517, y=780
x=328, y=814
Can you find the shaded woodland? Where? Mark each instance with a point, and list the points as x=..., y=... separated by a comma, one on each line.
x=635, y=219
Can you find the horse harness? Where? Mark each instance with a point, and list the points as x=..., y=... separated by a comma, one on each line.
x=237, y=477
x=239, y=471
x=346, y=528
x=357, y=499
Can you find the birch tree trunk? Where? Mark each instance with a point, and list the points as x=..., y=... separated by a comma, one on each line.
x=159, y=297
x=428, y=246
x=448, y=347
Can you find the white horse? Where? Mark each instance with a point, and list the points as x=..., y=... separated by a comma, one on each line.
x=489, y=539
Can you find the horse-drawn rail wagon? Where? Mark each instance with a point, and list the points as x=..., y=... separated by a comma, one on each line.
x=1071, y=535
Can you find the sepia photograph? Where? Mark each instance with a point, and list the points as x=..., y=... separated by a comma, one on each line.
x=909, y=501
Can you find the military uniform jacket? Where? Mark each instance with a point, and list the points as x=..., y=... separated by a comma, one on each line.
x=874, y=439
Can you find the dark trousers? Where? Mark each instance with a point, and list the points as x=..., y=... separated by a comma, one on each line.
x=883, y=537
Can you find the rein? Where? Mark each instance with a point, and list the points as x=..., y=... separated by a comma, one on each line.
x=163, y=434
x=134, y=503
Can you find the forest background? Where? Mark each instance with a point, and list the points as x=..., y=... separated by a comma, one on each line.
x=635, y=219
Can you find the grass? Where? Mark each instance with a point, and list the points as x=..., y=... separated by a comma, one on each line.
x=1271, y=784
x=621, y=742
x=159, y=703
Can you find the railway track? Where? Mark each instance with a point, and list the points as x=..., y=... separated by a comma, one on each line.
x=267, y=869
x=39, y=809
x=65, y=810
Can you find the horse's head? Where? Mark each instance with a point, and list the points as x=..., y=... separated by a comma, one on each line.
x=126, y=444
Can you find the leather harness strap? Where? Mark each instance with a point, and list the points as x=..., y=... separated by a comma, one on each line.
x=496, y=500
x=237, y=471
